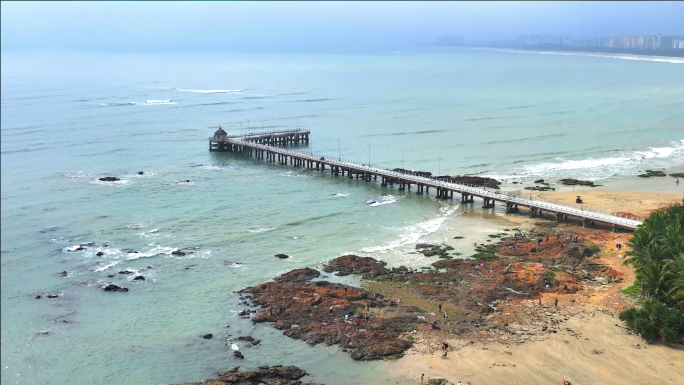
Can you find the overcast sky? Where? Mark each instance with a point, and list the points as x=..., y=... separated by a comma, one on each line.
x=226, y=25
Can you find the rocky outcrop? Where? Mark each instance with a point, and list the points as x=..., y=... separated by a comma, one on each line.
x=302, y=311
x=352, y=264
x=282, y=256
x=113, y=287
x=298, y=275
x=274, y=375
x=573, y=182
x=178, y=252
x=108, y=179
x=474, y=180
x=139, y=278
x=429, y=250
x=650, y=173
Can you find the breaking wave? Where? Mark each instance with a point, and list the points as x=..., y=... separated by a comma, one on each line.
x=624, y=163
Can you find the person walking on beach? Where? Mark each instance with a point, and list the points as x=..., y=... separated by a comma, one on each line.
x=345, y=287
x=331, y=309
x=446, y=316
x=556, y=303
x=421, y=377
x=440, y=307
x=540, y=305
x=561, y=244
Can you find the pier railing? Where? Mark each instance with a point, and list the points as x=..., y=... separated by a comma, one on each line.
x=515, y=197
x=264, y=133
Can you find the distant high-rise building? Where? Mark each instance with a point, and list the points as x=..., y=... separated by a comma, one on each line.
x=629, y=42
x=577, y=43
x=593, y=41
x=606, y=41
x=679, y=44
x=665, y=42
x=567, y=40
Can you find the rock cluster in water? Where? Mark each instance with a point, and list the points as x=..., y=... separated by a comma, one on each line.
x=267, y=375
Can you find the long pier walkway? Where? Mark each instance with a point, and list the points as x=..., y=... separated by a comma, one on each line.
x=264, y=146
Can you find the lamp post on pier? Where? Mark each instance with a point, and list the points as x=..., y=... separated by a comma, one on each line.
x=339, y=151
x=439, y=167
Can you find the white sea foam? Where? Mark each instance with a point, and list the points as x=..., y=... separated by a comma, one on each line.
x=261, y=230
x=154, y=251
x=385, y=199
x=156, y=102
x=210, y=91
x=626, y=163
x=105, y=266
x=339, y=195
x=411, y=234
x=151, y=234
x=662, y=59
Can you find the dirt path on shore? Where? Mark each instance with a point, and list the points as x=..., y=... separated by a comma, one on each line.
x=595, y=351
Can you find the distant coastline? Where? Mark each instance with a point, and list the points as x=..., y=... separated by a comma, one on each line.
x=604, y=51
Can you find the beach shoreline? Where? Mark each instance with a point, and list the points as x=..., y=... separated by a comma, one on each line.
x=592, y=346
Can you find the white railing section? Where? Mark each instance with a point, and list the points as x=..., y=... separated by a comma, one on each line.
x=515, y=197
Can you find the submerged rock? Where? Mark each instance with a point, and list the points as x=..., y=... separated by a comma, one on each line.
x=237, y=354
x=139, y=278
x=274, y=375
x=178, y=252
x=141, y=172
x=99, y=254
x=282, y=256
x=109, y=179
x=62, y=273
x=208, y=336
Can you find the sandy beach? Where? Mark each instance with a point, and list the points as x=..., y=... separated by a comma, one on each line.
x=591, y=345
x=595, y=351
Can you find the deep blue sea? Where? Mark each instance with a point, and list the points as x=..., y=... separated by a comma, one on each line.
x=68, y=119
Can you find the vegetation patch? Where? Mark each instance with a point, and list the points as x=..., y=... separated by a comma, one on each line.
x=594, y=247
x=655, y=322
x=631, y=291
x=657, y=254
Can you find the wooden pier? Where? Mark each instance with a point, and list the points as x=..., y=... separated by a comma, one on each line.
x=265, y=146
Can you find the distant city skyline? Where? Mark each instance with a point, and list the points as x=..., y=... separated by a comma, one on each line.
x=649, y=42
x=224, y=26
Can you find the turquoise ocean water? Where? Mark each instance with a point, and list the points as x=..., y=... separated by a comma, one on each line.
x=69, y=119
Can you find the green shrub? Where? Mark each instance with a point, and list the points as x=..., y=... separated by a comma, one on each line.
x=596, y=248
x=631, y=291
x=655, y=322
